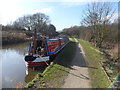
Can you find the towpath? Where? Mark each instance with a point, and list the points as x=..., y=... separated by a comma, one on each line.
x=78, y=76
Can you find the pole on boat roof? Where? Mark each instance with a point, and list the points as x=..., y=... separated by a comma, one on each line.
x=35, y=33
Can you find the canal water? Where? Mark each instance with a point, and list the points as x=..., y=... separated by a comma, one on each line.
x=13, y=69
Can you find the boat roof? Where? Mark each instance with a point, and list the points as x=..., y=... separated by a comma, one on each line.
x=53, y=39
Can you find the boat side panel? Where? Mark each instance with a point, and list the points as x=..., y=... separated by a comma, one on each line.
x=55, y=48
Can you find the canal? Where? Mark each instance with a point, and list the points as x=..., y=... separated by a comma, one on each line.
x=13, y=66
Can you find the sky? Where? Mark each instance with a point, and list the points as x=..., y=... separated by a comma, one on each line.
x=62, y=13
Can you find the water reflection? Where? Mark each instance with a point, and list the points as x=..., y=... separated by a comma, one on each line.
x=0, y=72
x=13, y=65
x=32, y=73
x=19, y=48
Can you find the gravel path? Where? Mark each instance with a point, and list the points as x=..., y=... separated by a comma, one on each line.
x=78, y=75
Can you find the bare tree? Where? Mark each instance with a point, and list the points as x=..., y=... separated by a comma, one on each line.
x=36, y=21
x=98, y=15
x=40, y=21
x=24, y=22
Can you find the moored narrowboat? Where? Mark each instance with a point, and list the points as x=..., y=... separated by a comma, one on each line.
x=42, y=50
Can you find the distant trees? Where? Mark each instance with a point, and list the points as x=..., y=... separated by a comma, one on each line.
x=110, y=34
x=37, y=21
x=51, y=30
x=24, y=22
x=74, y=31
x=96, y=26
x=12, y=28
x=97, y=16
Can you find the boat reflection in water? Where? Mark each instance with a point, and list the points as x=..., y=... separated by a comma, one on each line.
x=31, y=73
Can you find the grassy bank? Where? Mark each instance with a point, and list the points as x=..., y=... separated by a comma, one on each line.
x=95, y=59
x=55, y=74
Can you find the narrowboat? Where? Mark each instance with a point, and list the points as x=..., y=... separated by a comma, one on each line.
x=42, y=50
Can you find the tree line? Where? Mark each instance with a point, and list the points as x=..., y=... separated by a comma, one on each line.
x=109, y=38
x=29, y=23
x=96, y=26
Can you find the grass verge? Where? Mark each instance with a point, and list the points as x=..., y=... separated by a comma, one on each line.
x=94, y=58
x=55, y=74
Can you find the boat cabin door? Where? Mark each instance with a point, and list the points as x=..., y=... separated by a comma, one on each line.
x=39, y=47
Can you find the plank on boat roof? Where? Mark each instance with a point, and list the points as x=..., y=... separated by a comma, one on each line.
x=53, y=39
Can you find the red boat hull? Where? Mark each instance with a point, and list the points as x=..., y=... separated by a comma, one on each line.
x=36, y=64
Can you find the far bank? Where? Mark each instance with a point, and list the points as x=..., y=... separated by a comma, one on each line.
x=11, y=37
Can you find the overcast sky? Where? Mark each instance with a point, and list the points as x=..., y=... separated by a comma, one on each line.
x=62, y=13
